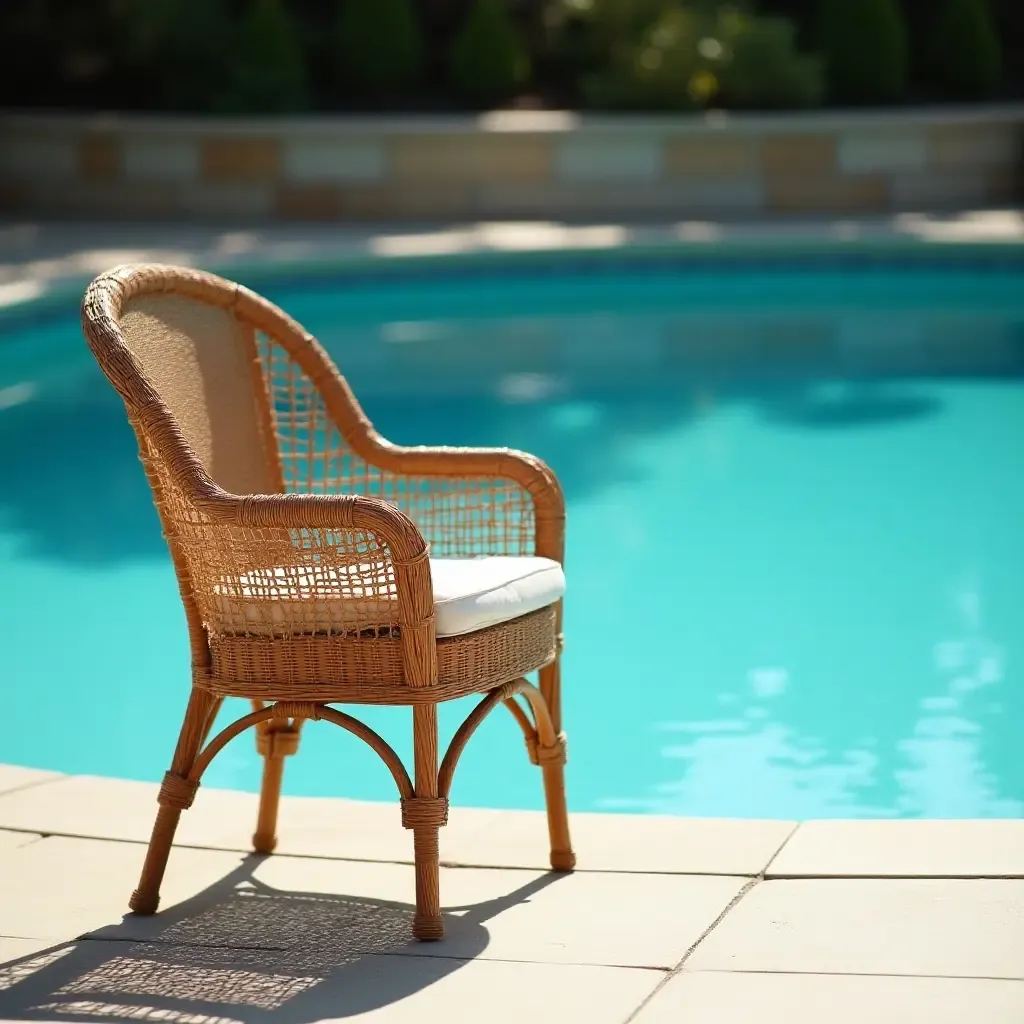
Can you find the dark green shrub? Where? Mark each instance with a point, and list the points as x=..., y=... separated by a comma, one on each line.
x=380, y=46
x=690, y=56
x=864, y=44
x=766, y=70
x=966, y=55
x=267, y=67
x=177, y=48
x=488, y=59
x=658, y=68
x=621, y=20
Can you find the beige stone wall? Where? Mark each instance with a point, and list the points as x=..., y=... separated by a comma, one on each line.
x=510, y=165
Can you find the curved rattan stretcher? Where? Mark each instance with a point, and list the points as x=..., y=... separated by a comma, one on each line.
x=259, y=456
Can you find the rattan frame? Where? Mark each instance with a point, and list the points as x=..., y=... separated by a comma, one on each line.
x=406, y=665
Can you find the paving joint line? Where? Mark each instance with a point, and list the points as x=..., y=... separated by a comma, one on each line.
x=31, y=785
x=785, y=842
x=863, y=974
x=675, y=971
x=449, y=864
x=404, y=953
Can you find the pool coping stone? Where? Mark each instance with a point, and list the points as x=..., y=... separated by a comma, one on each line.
x=670, y=919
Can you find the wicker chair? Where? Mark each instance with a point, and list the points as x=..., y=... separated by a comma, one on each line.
x=320, y=564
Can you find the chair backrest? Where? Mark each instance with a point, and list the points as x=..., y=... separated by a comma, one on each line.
x=203, y=363
x=224, y=391
x=236, y=378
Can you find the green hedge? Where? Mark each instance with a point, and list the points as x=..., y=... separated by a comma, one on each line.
x=966, y=59
x=489, y=62
x=865, y=47
x=266, y=68
x=380, y=47
x=270, y=56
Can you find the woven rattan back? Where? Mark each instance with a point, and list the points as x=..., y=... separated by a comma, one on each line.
x=202, y=362
x=211, y=374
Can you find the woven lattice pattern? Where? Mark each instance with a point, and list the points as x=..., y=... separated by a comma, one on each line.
x=274, y=581
x=458, y=516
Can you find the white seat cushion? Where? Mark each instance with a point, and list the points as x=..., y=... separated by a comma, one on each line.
x=474, y=593
x=469, y=594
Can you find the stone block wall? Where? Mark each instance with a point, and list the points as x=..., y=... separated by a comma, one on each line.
x=556, y=166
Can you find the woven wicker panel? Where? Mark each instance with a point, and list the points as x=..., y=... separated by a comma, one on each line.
x=361, y=669
x=199, y=359
x=341, y=579
x=458, y=516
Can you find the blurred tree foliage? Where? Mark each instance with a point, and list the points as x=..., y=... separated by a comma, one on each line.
x=175, y=50
x=966, y=58
x=652, y=55
x=767, y=70
x=866, y=50
x=264, y=55
x=488, y=59
x=379, y=47
x=266, y=65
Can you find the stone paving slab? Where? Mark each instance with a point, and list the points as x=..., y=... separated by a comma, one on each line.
x=124, y=981
x=325, y=827
x=934, y=927
x=609, y=842
x=9, y=840
x=104, y=808
x=729, y=998
x=645, y=920
x=21, y=958
x=18, y=948
x=14, y=777
x=969, y=849
x=60, y=888
x=651, y=935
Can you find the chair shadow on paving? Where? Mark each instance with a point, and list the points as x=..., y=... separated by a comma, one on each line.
x=241, y=951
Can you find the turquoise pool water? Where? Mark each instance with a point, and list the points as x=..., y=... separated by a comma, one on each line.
x=796, y=535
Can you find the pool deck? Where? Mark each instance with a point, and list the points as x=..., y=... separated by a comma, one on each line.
x=43, y=258
x=667, y=920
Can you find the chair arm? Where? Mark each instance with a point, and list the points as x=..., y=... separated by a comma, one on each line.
x=526, y=471
x=407, y=550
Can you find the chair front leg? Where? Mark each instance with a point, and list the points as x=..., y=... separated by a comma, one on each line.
x=425, y=813
x=176, y=795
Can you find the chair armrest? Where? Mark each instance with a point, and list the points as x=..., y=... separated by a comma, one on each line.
x=322, y=512
x=526, y=472
x=407, y=552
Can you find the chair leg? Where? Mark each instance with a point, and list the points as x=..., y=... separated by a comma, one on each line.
x=562, y=856
x=425, y=814
x=275, y=741
x=175, y=796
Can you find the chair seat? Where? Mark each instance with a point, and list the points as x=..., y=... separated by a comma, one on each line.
x=470, y=594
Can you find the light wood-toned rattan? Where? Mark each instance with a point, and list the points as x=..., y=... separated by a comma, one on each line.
x=262, y=462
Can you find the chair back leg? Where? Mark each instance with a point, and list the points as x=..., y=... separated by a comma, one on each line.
x=275, y=740
x=553, y=768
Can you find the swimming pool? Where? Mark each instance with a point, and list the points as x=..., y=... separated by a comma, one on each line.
x=802, y=486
